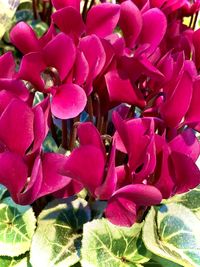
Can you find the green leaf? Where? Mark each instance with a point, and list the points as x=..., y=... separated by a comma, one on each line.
x=38, y=98
x=190, y=200
x=21, y=261
x=172, y=232
x=17, y=224
x=98, y=208
x=160, y=262
x=7, y=11
x=23, y=15
x=105, y=243
x=57, y=240
x=39, y=27
x=3, y=190
x=49, y=144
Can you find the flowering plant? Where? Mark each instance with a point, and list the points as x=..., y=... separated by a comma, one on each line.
x=99, y=125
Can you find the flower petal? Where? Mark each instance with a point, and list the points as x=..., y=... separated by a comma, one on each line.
x=7, y=65
x=108, y=187
x=58, y=4
x=186, y=173
x=81, y=69
x=121, y=90
x=16, y=87
x=13, y=173
x=196, y=43
x=89, y=135
x=94, y=53
x=193, y=113
x=30, y=194
x=39, y=128
x=187, y=144
x=162, y=178
x=72, y=188
x=154, y=28
x=24, y=38
x=16, y=124
x=130, y=22
x=31, y=68
x=121, y=209
x=69, y=21
x=83, y=166
x=52, y=165
x=182, y=94
x=64, y=57
x=68, y=101
x=102, y=19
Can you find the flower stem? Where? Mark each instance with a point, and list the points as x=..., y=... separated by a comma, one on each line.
x=34, y=6
x=64, y=134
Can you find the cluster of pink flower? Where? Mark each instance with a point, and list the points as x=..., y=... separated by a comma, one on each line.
x=132, y=69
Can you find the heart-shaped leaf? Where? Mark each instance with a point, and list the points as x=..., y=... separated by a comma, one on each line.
x=21, y=261
x=172, y=232
x=105, y=243
x=57, y=240
x=17, y=224
x=190, y=200
x=2, y=191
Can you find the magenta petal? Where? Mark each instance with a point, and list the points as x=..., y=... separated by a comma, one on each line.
x=64, y=57
x=68, y=101
x=24, y=38
x=163, y=178
x=89, y=135
x=121, y=209
x=196, y=43
x=16, y=124
x=16, y=87
x=5, y=98
x=58, y=4
x=186, y=143
x=142, y=195
x=81, y=68
x=154, y=27
x=187, y=174
x=130, y=22
x=149, y=163
x=102, y=19
x=121, y=90
x=48, y=36
x=193, y=113
x=7, y=65
x=31, y=191
x=182, y=94
x=94, y=54
x=83, y=166
x=149, y=69
x=72, y=188
x=121, y=137
x=45, y=105
x=39, y=128
x=69, y=21
x=31, y=68
x=108, y=187
x=13, y=173
x=52, y=165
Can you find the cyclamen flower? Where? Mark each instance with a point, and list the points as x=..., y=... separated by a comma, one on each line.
x=83, y=166
x=100, y=178
x=68, y=99
x=136, y=57
x=154, y=161
x=8, y=81
x=33, y=173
